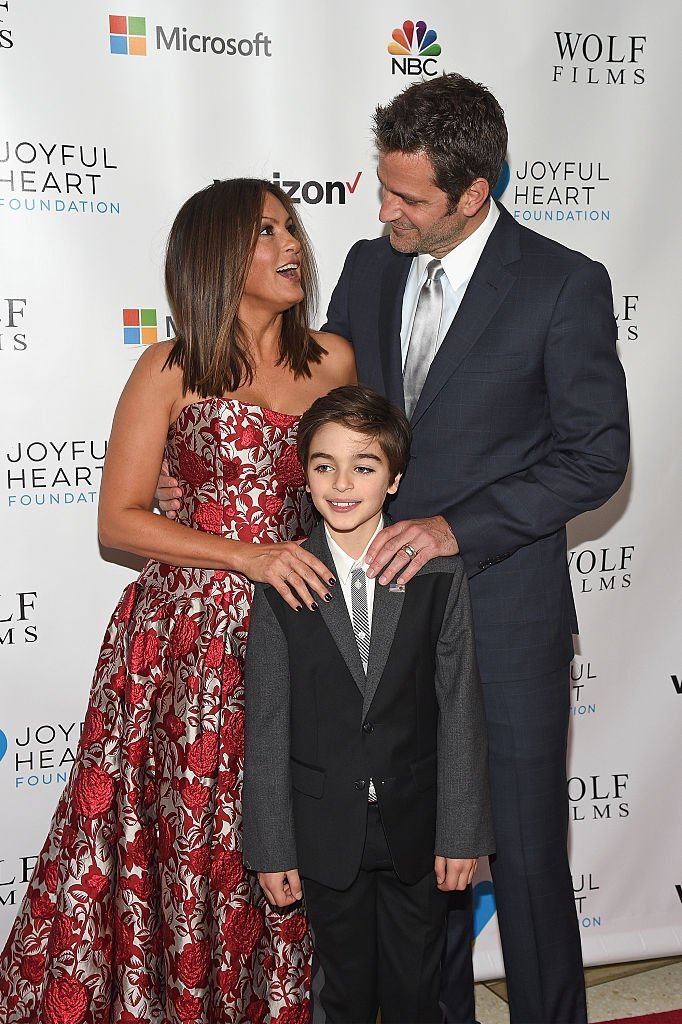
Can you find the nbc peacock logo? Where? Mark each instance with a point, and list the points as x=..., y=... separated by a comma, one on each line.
x=414, y=49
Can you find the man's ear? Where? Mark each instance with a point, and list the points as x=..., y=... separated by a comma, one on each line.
x=474, y=197
x=393, y=487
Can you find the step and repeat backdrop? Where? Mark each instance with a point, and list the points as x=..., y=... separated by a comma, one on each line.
x=112, y=114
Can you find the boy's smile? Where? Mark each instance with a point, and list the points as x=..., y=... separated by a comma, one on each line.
x=348, y=478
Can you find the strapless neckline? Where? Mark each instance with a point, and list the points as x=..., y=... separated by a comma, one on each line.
x=234, y=401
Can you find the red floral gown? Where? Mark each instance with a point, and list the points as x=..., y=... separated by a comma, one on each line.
x=139, y=910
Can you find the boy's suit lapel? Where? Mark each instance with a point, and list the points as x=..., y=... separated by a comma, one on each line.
x=388, y=605
x=335, y=614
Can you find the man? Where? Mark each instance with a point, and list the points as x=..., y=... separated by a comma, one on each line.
x=504, y=353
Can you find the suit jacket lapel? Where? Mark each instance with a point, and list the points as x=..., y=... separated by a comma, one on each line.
x=385, y=614
x=390, y=318
x=335, y=613
x=487, y=290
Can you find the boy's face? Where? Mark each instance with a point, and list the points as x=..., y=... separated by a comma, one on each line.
x=348, y=479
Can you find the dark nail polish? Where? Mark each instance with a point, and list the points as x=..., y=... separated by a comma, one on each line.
x=332, y=582
x=327, y=597
x=298, y=607
x=314, y=607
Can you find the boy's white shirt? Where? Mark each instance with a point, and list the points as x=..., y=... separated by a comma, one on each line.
x=345, y=564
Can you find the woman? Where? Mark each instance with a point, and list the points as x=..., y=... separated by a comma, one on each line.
x=139, y=909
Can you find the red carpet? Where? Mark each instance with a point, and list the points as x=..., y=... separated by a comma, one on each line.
x=669, y=1017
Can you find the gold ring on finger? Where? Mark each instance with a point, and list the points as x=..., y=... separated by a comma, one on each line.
x=409, y=550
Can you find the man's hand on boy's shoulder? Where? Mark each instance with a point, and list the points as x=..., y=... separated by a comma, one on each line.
x=281, y=888
x=452, y=873
x=427, y=538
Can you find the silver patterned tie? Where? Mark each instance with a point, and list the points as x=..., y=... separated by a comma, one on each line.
x=424, y=336
x=358, y=590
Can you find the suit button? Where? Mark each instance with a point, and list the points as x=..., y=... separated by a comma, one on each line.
x=368, y=727
x=359, y=783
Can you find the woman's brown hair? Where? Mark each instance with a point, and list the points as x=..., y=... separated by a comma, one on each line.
x=208, y=256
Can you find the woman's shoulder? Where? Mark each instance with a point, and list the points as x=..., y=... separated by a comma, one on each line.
x=152, y=370
x=340, y=358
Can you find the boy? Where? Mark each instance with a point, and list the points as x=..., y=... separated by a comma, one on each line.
x=365, y=766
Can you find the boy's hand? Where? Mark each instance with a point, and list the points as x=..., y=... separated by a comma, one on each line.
x=453, y=874
x=168, y=492
x=281, y=888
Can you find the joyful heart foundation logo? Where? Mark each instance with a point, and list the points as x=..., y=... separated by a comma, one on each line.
x=414, y=39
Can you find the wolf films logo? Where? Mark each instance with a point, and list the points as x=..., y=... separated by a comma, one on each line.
x=414, y=49
x=592, y=59
x=600, y=569
x=18, y=618
x=128, y=36
x=551, y=189
x=598, y=797
x=12, y=327
x=6, y=41
x=46, y=473
x=55, y=177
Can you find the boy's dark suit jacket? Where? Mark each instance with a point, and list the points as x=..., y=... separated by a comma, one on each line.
x=317, y=730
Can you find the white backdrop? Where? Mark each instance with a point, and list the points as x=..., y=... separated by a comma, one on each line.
x=98, y=149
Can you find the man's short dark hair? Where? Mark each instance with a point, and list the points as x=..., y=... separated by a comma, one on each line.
x=457, y=123
x=365, y=411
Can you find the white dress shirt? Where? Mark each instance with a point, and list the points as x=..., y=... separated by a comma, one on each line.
x=458, y=266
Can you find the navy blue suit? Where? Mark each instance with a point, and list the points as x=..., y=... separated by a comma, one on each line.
x=521, y=425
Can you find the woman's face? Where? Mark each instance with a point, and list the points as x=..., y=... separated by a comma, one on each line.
x=274, y=277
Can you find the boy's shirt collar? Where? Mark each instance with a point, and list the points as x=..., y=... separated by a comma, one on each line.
x=343, y=562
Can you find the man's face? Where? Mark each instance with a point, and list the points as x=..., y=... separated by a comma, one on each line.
x=417, y=210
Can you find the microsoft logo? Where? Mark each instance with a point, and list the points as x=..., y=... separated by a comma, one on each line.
x=139, y=327
x=128, y=35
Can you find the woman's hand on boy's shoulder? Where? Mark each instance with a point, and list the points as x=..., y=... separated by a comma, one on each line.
x=454, y=873
x=281, y=888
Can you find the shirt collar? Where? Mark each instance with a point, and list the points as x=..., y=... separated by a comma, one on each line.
x=460, y=263
x=343, y=562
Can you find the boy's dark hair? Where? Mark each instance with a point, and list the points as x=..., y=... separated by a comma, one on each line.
x=457, y=123
x=369, y=413
x=208, y=257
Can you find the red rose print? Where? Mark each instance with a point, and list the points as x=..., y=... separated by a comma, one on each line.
x=95, y=883
x=127, y=603
x=187, y=1006
x=199, y=860
x=173, y=725
x=256, y=1011
x=289, y=470
x=231, y=471
x=251, y=437
x=193, y=685
x=234, y=733
x=149, y=794
x=195, y=796
x=144, y=651
x=166, y=838
x=51, y=876
x=141, y=886
x=32, y=968
x=209, y=517
x=93, y=792
x=273, y=504
x=215, y=652
x=62, y=934
x=140, y=850
x=242, y=928
x=193, y=964
x=192, y=467
x=183, y=636
x=137, y=752
x=231, y=674
x=66, y=1001
x=202, y=754
x=228, y=980
x=292, y=928
x=277, y=419
x=93, y=728
x=135, y=692
x=42, y=905
x=227, y=870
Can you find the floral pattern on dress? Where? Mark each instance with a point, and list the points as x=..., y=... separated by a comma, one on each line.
x=140, y=910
